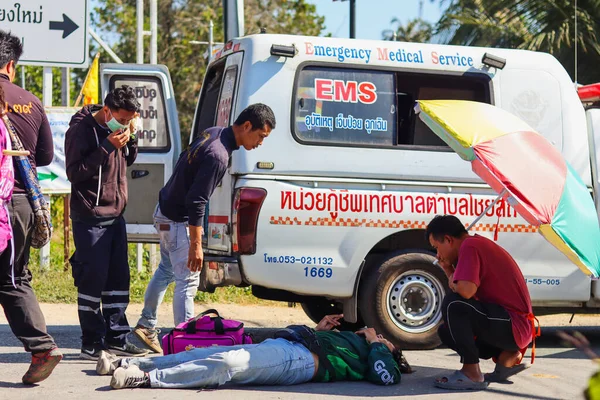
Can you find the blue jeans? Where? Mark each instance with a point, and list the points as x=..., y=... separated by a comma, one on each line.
x=174, y=249
x=272, y=362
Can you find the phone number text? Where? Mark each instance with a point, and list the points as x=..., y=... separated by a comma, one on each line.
x=307, y=260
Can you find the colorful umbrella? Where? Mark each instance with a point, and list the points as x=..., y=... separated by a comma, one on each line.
x=526, y=170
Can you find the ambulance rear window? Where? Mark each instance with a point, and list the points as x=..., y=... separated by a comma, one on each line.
x=345, y=106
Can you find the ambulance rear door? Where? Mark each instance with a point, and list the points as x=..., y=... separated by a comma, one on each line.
x=159, y=141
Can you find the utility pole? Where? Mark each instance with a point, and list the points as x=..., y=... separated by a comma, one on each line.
x=140, y=31
x=352, y=19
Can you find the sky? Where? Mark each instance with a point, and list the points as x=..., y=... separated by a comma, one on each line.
x=372, y=16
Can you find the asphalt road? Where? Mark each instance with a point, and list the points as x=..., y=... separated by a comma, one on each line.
x=558, y=372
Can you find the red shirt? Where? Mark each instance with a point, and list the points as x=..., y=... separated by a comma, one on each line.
x=499, y=281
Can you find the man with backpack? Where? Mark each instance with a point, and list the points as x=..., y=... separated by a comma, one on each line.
x=25, y=114
x=298, y=354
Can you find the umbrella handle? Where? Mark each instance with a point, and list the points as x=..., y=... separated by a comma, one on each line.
x=488, y=208
x=15, y=152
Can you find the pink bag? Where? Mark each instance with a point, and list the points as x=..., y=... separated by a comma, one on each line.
x=206, y=329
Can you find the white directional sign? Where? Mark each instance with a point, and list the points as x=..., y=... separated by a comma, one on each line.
x=53, y=32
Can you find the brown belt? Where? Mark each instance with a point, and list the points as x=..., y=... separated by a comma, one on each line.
x=164, y=227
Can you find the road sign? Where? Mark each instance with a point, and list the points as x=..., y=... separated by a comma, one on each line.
x=53, y=32
x=53, y=177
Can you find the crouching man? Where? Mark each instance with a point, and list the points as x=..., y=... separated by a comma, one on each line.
x=297, y=355
x=488, y=312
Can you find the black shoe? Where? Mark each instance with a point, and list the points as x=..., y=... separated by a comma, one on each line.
x=91, y=352
x=127, y=350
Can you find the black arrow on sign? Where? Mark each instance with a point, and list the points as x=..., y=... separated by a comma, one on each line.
x=67, y=26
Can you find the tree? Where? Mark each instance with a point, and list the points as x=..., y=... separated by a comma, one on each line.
x=415, y=30
x=539, y=25
x=182, y=21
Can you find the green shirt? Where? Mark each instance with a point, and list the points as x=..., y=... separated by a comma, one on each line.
x=353, y=359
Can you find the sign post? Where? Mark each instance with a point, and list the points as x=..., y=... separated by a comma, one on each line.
x=53, y=32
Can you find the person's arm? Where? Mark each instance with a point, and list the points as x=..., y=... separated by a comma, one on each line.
x=467, y=274
x=44, y=148
x=82, y=162
x=382, y=369
x=329, y=322
x=132, y=146
x=132, y=143
x=209, y=174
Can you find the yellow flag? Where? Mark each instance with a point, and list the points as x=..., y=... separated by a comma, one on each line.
x=90, y=86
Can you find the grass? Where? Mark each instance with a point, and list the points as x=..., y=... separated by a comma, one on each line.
x=55, y=284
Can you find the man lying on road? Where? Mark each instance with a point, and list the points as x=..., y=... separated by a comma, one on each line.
x=320, y=355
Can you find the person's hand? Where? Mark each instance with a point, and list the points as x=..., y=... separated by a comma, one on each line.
x=195, y=257
x=387, y=343
x=133, y=126
x=329, y=322
x=369, y=333
x=446, y=266
x=119, y=138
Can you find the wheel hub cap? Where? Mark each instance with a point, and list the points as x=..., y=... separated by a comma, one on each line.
x=414, y=300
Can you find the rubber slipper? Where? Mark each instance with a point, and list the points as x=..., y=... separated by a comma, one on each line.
x=502, y=373
x=459, y=381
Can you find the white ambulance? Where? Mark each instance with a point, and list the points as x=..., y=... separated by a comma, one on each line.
x=330, y=212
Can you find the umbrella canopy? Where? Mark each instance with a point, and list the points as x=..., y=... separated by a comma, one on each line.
x=524, y=167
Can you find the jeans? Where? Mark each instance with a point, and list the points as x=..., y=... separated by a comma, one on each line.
x=272, y=362
x=174, y=250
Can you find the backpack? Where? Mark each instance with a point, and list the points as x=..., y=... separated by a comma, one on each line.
x=42, y=220
x=204, y=330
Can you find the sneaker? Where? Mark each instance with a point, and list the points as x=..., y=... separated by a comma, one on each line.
x=107, y=363
x=149, y=336
x=127, y=350
x=131, y=377
x=42, y=365
x=91, y=352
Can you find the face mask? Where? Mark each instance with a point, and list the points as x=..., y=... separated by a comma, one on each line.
x=114, y=125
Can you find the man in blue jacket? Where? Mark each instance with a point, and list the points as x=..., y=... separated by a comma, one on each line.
x=338, y=356
x=181, y=206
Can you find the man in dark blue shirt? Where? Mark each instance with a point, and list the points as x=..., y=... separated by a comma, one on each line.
x=182, y=203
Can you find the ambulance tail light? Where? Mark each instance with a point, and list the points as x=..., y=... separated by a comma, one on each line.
x=246, y=208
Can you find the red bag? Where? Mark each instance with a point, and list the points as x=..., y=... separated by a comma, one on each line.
x=206, y=329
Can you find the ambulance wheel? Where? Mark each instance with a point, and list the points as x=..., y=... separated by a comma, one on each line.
x=317, y=309
x=402, y=297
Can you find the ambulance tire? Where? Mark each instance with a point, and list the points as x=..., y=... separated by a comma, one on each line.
x=316, y=310
x=398, y=274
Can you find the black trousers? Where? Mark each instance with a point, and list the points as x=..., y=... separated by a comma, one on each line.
x=475, y=330
x=101, y=274
x=20, y=304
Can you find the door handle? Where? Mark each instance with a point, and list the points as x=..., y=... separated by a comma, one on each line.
x=139, y=173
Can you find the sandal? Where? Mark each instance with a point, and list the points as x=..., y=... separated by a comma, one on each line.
x=502, y=373
x=459, y=381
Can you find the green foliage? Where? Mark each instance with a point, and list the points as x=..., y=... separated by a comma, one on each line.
x=415, y=30
x=183, y=21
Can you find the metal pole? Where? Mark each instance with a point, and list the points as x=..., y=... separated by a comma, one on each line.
x=66, y=86
x=23, y=77
x=66, y=230
x=105, y=46
x=47, y=99
x=352, y=19
x=210, y=40
x=154, y=31
x=140, y=31
x=140, y=257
